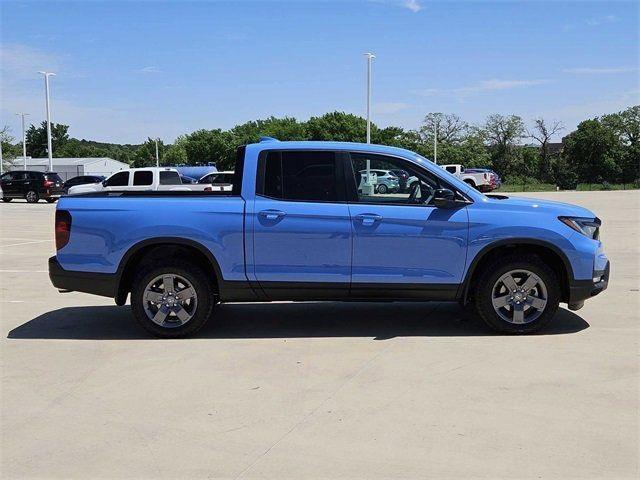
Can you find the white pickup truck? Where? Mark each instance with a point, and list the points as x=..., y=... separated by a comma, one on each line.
x=142, y=179
x=479, y=181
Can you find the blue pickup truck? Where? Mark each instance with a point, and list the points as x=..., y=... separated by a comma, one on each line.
x=301, y=224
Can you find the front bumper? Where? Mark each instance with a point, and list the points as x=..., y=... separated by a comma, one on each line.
x=581, y=290
x=103, y=284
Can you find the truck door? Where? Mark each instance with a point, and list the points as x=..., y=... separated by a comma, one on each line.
x=403, y=246
x=301, y=226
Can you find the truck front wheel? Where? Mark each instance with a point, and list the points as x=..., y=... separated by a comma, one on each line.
x=517, y=294
x=172, y=298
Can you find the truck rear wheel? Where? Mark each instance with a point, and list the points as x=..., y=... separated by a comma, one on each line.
x=172, y=298
x=517, y=294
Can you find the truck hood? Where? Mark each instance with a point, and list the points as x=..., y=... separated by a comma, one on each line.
x=547, y=206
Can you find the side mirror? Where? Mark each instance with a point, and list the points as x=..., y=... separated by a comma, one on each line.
x=444, y=198
x=104, y=183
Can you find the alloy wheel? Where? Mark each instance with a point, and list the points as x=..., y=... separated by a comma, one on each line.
x=519, y=296
x=170, y=300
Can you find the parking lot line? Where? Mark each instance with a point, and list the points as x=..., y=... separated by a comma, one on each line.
x=25, y=243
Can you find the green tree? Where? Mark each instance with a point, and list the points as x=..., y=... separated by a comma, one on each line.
x=145, y=154
x=339, y=127
x=176, y=154
x=592, y=150
x=626, y=127
x=37, y=139
x=503, y=134
x=543, y=132
x=205, y=146
x=287, y=128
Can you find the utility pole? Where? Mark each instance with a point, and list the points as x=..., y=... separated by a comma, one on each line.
x=24, y=140
x=435, y=143
x=46, y=90
x=1, y=159
x=157, y=157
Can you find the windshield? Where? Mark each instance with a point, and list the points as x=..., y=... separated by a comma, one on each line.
x=449, y=177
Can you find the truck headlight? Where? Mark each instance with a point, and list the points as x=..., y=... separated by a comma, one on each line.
x=589, y=227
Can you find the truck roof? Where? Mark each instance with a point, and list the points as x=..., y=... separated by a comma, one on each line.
x=330, y=145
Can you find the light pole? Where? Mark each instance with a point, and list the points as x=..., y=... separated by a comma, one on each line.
x=435, y=143
x=368, y=184
x=24, y=140
x=370, y=57
x=157, y=156
x=1, y=159
x=46, y=90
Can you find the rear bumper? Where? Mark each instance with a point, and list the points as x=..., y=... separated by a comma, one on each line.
x=103, y=284
x=581, y=290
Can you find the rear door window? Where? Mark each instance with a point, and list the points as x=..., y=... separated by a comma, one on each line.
x=120, y=179
x=301, y=176
x=170, y=178
x=142, y=178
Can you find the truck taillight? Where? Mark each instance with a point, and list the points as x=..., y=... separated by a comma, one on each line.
x=47, y=184
x=63, y=228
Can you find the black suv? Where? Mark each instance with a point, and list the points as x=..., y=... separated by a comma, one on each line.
x=32, y=186
x=81, y=180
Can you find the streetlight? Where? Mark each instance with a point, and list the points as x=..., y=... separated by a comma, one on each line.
x=157, y=156
x=49, y=147
x=24, y=140
x=436, y=120
x=368, y=187
x=370, y=57
x=435, y=143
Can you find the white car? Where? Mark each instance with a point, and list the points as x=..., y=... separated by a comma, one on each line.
x=385, y=181
x=219, y=181
x=141, y=179
x=478, y=180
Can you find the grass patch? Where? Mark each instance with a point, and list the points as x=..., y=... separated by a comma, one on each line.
x=550, y=187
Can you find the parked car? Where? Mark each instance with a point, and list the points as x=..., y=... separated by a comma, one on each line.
x=31, y=185
x=494, y=178
x=82, y=180
x=220, y=181
x=187, y=180
x=385, y=181
x=478, y=180
x=141, y=180
x=295, y=227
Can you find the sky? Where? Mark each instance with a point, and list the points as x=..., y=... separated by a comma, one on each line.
x=129, y=70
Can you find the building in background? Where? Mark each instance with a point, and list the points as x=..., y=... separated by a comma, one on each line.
x=72, y=167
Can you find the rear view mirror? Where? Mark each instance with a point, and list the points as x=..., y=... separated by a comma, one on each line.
x=444, y=198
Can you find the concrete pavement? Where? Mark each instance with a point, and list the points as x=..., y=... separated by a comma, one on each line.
x=371, y=391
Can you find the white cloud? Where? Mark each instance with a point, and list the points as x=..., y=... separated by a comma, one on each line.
x=149, y=69
x=21, y=61
x=594, y=22
x=599, y=71
x=413, y=5
x=484, y=86
x=389, y=108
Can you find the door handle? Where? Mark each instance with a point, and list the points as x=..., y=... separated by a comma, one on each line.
x=272, y=214
x=368, y=219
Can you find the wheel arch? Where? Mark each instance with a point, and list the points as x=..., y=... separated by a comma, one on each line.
x=161, y=247
x=547, y=251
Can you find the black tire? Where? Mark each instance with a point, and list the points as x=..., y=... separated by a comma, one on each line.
x=32, y=196
x=6, y=200
x=483, y=293
x=204, y=287
x=471, y=183
x=51, y=200
x=382, y=189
